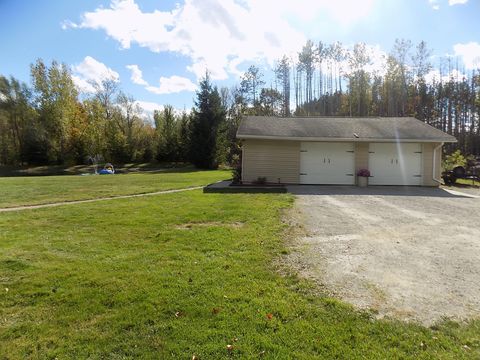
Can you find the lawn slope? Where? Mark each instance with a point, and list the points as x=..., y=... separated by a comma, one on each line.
x=177, y=275
x=19, y=191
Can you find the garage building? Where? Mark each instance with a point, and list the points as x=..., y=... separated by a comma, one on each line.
x=330, y=150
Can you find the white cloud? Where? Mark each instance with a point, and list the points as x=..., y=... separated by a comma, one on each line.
x=67, y=24
x=377, y=56
x=221, y=34
x=137, y=76
x=457, y=2
x=435, y=76
x=470, y=54
x=148, y=108
x=168, y=85
x=83, y=85
x=378, y=59
x=91, y=71
x=173, y=84
x=434, y=4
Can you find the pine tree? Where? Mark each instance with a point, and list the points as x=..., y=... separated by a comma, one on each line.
x=166, y=127
x=208, y=117
x=251, y=84
x=282, y=73
x=306, y=62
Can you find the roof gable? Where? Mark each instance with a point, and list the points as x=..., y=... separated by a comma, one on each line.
x=391, y=129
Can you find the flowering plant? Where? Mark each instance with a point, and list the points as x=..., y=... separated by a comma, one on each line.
x=363, y=172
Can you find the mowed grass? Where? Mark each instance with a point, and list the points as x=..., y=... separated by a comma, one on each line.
x=19, y=191
x=178, y=275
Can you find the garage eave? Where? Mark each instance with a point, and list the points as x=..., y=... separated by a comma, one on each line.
x=336, y=139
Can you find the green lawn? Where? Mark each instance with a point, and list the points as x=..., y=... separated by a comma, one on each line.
x=177, y=275
x=468, y=182
x=16, y=191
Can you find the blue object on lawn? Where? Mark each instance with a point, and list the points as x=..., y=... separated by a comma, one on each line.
x=107, y=170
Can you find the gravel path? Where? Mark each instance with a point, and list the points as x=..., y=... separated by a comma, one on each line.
x=407, y=253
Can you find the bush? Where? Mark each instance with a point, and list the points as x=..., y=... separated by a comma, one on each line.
x=453, y=160
x=237, y=175
x=236, y=169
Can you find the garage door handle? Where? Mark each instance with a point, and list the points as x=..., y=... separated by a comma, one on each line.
x=391, y=161
x=329, y=161
x=324, y=160
x=396, y=161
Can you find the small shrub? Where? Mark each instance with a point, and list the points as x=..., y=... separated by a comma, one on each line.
x=261, y=180
x=237, y=174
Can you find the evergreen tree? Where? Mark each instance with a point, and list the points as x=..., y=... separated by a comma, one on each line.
x=183, y=137
x=166, y=128
x=270, y=103
x=208, y=117
x=282, y=74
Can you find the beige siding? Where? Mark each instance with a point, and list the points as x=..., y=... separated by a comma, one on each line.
x=278, y=161
x=361, y=156
x=427, y=152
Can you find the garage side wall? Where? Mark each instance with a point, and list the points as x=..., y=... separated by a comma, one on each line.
x=427, y=151
x=278, y=161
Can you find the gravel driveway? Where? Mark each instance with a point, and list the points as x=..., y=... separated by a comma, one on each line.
x=405, y=252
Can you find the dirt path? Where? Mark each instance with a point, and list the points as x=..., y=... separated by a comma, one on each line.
x=61, y=203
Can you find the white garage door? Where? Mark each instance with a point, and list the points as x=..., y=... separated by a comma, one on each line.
x=395, y=164
x=327, y=163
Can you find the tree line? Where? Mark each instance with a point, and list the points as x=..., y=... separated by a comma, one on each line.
x=331, y=80
x=49, y=122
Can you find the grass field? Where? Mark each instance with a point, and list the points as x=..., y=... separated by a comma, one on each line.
x=17, y=191
x=178, y=275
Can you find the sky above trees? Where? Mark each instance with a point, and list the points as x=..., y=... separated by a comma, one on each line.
x=158, y=50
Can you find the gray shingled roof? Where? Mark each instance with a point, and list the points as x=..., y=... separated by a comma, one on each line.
x=340, y=128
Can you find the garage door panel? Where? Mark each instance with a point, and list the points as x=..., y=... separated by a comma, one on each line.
x=327, y=163
x=395, y=164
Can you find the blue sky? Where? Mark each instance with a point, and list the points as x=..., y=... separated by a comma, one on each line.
x=158, y=49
